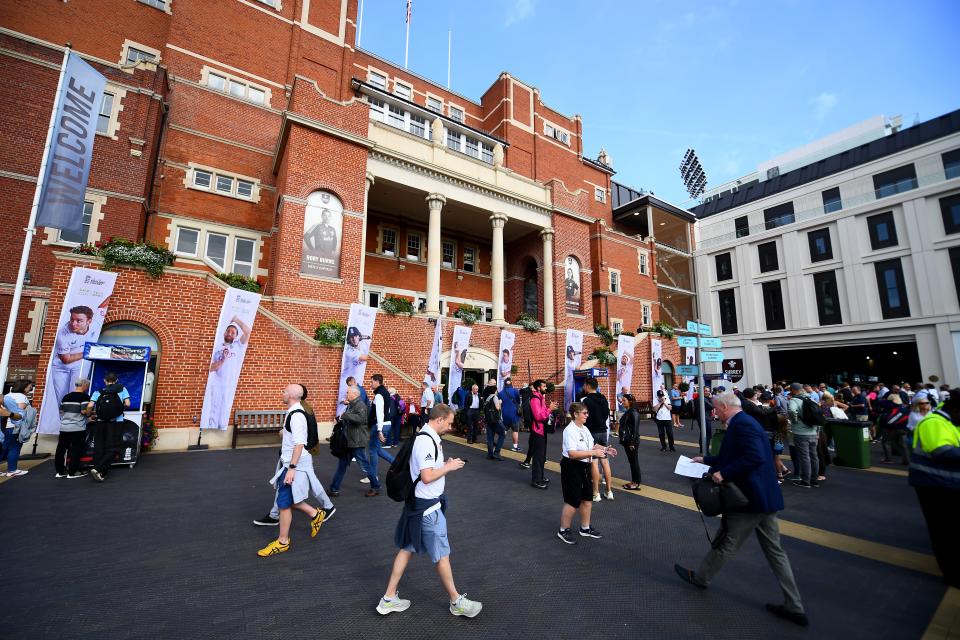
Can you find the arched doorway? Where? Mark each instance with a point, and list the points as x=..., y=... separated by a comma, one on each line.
x=137, y=335
x=667, y=370
x=531, y=289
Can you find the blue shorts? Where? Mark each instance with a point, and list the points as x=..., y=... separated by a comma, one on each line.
x=284, y=492
x=433, y=536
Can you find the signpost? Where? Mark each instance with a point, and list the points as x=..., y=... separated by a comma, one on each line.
x=686, y=341
x=711, y=356
x=688, y=369
x=710, y=343
x=698, y=341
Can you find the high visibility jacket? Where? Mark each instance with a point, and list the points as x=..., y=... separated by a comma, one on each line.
x=936, y=452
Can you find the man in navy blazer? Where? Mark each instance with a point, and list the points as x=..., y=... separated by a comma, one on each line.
x=746, y=459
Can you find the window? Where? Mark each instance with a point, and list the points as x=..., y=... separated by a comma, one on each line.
x=599, y=194
x=955, y=265
x=767, y=253
x=216, y=81
x=951, y=164
x=217, y=249
x=187, y=241
x=73, y=237
x=643, y=262
x=486, y=152
x=950, y=210
x=373, y=299
x=378, y=109
x=779, y=215
x=156, y=4
x=556, y=133
x=395, y=116
x=616, y=326
x=831, y=200
x=418, y=125
x=388, y=243
x=271, y=3
x=453, y=140
x=470, y=259
x=449, y=251
x=244, y=189
x=743, y=226
x=895, y=181
x=615, y=281
x=402, y=90
x=724, y=267
x=472, y=147
x=256, y=95
x=377, y=79
x=224, y=184
x=820, y=247
x=221, y=183
x=728, y=311
x=106, y=112
x=456, y=113
x=38, y=316
x=828, y=299
x=413, y=246
x=893, y=291
x=883, y=231
x=135, y=55
x=435, y=104
x=202, y=179
x=646, y=315
x=236, y=87
x=243, y=257
x=488, y=314
x=773, y=305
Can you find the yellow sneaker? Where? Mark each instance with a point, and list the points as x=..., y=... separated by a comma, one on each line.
x=273, y=549
x=316, y=523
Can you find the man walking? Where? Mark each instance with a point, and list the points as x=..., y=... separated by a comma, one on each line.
x=493, y=418
x=381, y=411
x=423, y=524
x=108, y=405
x=426, y=401
x=598, y=416
x=472, y=414
x=73, y=430
x=745, y=459
x=357, y=427
x=805, y=438
x=510, y=411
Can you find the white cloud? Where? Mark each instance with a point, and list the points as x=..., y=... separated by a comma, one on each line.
x=518, y=11
x=823, y=104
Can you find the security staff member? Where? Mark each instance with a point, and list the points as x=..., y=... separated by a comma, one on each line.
x=935, y=475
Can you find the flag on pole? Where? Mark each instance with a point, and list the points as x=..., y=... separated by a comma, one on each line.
x=409, y=10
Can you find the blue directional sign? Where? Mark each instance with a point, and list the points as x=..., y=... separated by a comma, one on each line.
x=709, y=343
x=711, y=356
x=692, y=326
x=686, y=341
x=704, y=329
x=687, y=369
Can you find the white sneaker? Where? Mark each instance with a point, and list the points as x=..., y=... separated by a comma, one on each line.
x=596, y=497
x=465, y=607
x=389, y=606
x=365, y=480
x=609, y=495
x=60, y=475
x=18, y=472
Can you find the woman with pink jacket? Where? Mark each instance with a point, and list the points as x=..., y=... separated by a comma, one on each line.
x=538, y=432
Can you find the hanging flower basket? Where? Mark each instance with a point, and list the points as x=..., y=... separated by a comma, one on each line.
x=665, y=330
x=136, y=254
x=392, y=306
x=604, y=357
x=606, y=337
x=332, y=333
x=468, y=313
x=238, y=281
x=528, y=322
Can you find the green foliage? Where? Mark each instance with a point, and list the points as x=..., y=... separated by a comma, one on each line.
x=627, y=333
x=468, y=313
x=684, y=387
x=551, y=387
x=528, y=322
x=137, y=254
x=603, y=331
x=238, y=281
x=394, y=305
x=333, y=333
x=604, y=356
x=663, y=329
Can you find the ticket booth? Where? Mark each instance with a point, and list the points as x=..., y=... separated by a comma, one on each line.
x=602, y=376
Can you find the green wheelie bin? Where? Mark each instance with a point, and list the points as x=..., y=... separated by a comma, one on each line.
x=851, y=438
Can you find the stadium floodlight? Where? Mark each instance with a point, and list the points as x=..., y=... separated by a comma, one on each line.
x=692, y=174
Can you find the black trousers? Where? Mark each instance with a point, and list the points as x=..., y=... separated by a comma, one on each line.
x=473, y=424
x=71, y=442
x=538, y=456
x=939, y=507
x=665, y=427
x=633, y=457
x=530, y=435
x=106, y=445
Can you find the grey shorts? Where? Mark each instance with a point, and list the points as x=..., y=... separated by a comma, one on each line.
x=433, y=535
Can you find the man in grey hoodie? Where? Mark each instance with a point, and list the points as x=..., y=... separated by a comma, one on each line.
x=805, y=439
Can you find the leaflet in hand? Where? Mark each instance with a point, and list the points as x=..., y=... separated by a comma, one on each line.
x=690, y=469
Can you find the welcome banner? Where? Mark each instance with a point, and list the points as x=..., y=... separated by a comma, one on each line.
x=505, y=357
x=81, y=319
x=432, y=376
x=229, y=350
x=356, y=349
x=656, y=363
x=571, y=362
x=458, y=357
x=625, y=349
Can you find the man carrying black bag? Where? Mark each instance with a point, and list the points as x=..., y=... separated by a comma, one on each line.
x=108, y=404
x=745, y=459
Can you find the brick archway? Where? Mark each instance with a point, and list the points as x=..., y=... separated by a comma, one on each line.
x=163, y=333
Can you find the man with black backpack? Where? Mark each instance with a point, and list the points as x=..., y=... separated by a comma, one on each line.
x=805, y=419
x=108, y=404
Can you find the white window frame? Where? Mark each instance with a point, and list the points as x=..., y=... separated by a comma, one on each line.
x=176, y=241
x=419, y=237
x=253, y=257
x=600, y=195
x=643, y=262
x=205, y=230
x=646, y=315
x=274, y=4
x=396, y=241
x=483, y=150
x=166, y=8
x=371, y=72
x=367, y=293
x=616, y=326
x=397, y=83
x=226, y=249
x=614, y=275
x=554, y=132
x=396, y=116
x=193, y=169
x=207, y=71
x=453, y=109
x=476, y=259
x=452, y=264
x=148, y=65
x=113, y=126
x=38, y=318
x=437, y=99
x=52, y=234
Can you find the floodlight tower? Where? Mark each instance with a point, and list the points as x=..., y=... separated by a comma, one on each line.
x=692, y=174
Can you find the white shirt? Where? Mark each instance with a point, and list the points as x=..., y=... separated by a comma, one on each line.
x=663, y=411
x=475, y=401
x=380, y=413
x=69, y=343
x=296, y=435
x=426, y=399
x=423, y=457
x=231, y=354
x=577, y=439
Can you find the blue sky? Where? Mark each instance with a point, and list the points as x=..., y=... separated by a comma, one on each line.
x=740, y=81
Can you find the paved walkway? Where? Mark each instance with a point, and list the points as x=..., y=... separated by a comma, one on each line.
x=167, y=550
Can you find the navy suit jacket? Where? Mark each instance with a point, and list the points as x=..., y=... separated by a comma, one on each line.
x=746, y=459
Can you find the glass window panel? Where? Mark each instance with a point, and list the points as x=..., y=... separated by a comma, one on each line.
x=449, y=251
x=238, y=89
x=106, y=109
x=224, y=184
x=187, y=240
x=434, y=105
x=256, y=95
x=453, y=140
x=472, y=148
x=243, y=257
x=67, y=235
x=469, y=259
x=244, y=189
x=831, y=200
x=395, y=118
x=456, y=114
x=950, y=211
x=135, y=55
x=413, y=246
x=202, y=179
x=486, y=153
x=951, y=164
x=377, y=79
x=389, y=242
x=217, y=82
x=418, y=125
x=401, y=90
x=217, y=249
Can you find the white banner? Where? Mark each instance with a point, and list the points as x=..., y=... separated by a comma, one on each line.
x=458, y=357
x=355, y=349
x=229, y=349
x=505, y=361
x=432, y=376
x=571, y=362
x=656, y=363
x=81, y=319
x=625, y=348
x=690, y=358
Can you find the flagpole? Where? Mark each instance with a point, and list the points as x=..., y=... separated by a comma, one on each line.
x=406, y=51
x=449, y=48
x=30, y=230
x=360, y=24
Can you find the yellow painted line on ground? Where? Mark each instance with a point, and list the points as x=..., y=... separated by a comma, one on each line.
x=946, y=621
x=890, y=471
x=888, y=554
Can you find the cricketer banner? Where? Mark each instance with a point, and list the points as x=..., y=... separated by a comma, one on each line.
x=356, y=349
x=573, y=355
x=229, y=349
x=505, y=357
x=433, y=367
x=625, y=348
x=458, y=357
x=81, y=319
x=690, y=358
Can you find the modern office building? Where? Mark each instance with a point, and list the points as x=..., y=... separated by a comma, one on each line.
x=840, y=259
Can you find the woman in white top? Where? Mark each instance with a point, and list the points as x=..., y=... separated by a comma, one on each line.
x=575, y=474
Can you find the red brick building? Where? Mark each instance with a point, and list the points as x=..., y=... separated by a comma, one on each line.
x=224, y=149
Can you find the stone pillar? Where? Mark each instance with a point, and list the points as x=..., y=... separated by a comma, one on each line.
x=496, y=266
x=435, y=202
x=363, y=236
x=547, y=236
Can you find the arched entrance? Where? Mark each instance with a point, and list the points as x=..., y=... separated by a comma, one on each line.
x=137, y=335
x=531, y=289
x=480, y=366
x=667, y=370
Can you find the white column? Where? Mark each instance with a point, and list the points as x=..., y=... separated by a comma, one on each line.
x=435, y=202
x=496, y=266
x=363, y=235
x=547, y=235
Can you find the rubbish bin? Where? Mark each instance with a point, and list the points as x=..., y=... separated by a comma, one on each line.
x=852, y=441
x=716, y=440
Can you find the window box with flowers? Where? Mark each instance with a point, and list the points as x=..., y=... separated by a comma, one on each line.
x=394, y=305
x=528, y=322
x=238, y=281
x=114, y=252
x=468, y=313
x=604, y=357
x=332, y=333
x=604, y=333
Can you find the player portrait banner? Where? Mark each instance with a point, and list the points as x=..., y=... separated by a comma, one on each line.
x=432, y=376
x=458, y=358
x=322, y=235
x=656, y=364
x=573, y=356
x=625, y=348
x=356, y=349
x=229, y=349
x=505, y=357
x=80, y=322
x=690, y=357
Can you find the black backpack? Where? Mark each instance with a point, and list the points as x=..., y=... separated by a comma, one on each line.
x=525, y=412
x=313, y=438
x=399, y=485
x=811, y=414
x=338, y=441
x=491, y=415
x=109, y=405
